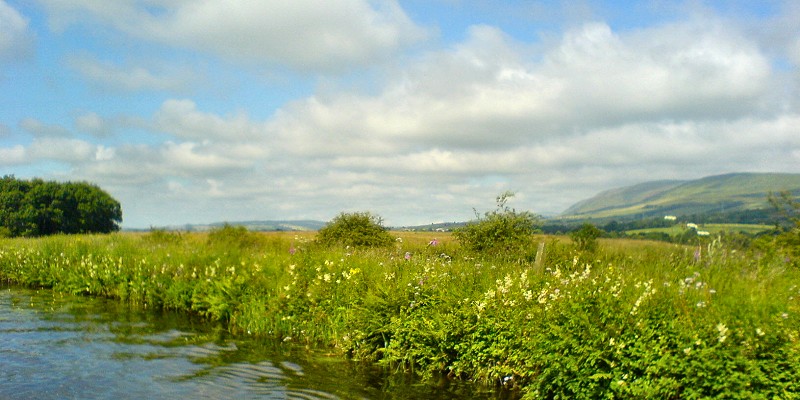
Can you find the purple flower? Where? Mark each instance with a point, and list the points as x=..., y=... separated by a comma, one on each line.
x=407, y=256
x=697, y=255
x=433, y=242
x=292, y=250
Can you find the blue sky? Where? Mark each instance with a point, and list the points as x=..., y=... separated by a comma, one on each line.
x=193, y=111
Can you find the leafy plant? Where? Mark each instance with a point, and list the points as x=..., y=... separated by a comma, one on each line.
x=358, y=229
x=585, y=237
x=233, y=237
x=501, y=230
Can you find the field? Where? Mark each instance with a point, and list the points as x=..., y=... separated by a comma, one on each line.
x=634, y=319
x=749, y=229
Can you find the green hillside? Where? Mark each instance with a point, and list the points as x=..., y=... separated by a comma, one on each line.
x=713, y=194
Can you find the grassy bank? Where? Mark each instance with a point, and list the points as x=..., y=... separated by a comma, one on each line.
x=634, y=320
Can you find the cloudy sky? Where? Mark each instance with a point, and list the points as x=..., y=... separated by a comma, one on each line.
x=193, y=111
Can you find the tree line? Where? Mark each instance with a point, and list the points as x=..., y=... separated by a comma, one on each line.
x=37, y=208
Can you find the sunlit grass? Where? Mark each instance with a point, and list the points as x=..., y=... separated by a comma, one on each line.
x=635, y=319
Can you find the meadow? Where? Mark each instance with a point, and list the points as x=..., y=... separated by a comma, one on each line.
x=632, y=319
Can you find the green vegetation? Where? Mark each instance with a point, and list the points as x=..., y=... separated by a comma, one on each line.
x=733, y=195
x=585, y=238
x=37, y=208
x=359, y=229
x=501, y=231
x=641, y=320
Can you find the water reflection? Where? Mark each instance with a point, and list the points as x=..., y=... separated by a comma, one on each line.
x=56, y=346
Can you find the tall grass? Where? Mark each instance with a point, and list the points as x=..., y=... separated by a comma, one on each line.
x=630, y=320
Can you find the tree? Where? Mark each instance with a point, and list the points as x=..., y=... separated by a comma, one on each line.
x=37, y=207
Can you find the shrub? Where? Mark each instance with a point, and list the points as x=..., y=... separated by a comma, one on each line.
x=160, y=236
x=585, y=237
x=503, y=229
x=233, y=237
x=358, y=229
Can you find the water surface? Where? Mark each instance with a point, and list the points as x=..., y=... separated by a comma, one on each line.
x=57, y=346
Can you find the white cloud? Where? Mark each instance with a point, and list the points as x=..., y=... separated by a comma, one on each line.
x=93, y=124
x=40, y=129
x=16, y=40
x=193, y=159
x=557, y=122
x=12, y=155
x=133, y=78
x=182, y=119
x=305, y=35
x=483, y=95
x=61, y=149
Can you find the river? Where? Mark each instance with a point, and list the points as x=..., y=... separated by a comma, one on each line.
x=59, y=346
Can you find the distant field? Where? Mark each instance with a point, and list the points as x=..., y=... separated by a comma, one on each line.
x=751, y=229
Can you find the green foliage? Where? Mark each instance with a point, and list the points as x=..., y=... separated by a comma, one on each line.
x=585, y=238
x=641, y=320
x=162, y=237
x=788, y=208
x=233, y=237
x=358, y=229
x=38, y=208
x=501, y=230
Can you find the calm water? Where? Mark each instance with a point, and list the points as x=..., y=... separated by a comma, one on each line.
x=55, y=346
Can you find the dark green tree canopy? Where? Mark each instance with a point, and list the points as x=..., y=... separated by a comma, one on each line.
x=38, y=208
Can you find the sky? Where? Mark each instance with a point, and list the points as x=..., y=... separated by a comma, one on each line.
x=419, y=111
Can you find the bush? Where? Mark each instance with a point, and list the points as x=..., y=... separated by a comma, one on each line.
x=233, y=237
x=501, y=230
x=585, y=237
x=358, y=229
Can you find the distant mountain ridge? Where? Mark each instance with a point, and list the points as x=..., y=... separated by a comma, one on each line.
x=712, y=194
x=258, y=226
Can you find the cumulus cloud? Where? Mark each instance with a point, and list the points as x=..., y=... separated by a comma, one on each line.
x=494, y=99
x=61, y=149
x=16, y=40
x=593, y=109
x=304, y=35
x=182, y=119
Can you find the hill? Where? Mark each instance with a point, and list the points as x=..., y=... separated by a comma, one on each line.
x=258, y=226
x=720, y=194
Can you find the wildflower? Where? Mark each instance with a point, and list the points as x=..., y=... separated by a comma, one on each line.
x=292, y=250
x=433, y=242
x=785, y=315
x=759, y=332
x=407, y=256
x=687, y=351
x=723, y=332
x=528, y=295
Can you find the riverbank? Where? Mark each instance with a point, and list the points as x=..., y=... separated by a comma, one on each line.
x=634, y=320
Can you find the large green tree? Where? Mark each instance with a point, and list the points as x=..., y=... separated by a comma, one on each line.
x=38, y=207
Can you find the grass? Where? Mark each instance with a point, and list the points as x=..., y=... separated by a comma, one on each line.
x=633, y=320
x=713, y=229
